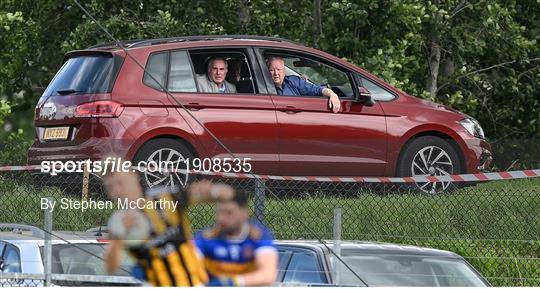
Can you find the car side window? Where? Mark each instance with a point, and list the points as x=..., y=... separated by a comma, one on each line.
x=317, y=73
x=304, y=268
x=156, y=69
x=377, y=92
x=230, y=67
x=181, y=77
x=12, y=260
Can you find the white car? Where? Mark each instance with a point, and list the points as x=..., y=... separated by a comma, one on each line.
x=73, y=253
x=374, y=264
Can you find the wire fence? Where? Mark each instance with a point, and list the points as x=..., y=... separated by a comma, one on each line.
x=494, y=225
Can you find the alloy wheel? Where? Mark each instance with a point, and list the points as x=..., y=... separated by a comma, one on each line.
x=432, y=161
x=166, y=159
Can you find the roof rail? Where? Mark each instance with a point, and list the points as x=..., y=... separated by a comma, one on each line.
x=208, y=37
x=125, y=43
x=19, y=228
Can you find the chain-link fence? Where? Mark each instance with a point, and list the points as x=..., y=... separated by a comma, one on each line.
x=494, y=225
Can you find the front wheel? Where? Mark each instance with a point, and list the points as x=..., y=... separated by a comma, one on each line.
x=167, y=154
x=430, y=156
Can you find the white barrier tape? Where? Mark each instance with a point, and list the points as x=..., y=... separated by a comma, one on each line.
x=447, y=178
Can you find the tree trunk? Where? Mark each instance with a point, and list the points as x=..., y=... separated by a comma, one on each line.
x=434, y=59
x=243, y=14
x=434, y=52
x=317, y=23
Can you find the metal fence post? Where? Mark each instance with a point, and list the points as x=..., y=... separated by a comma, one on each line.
x=86, y=178
x=47, y=227
x=259, y=200
x=337, y=244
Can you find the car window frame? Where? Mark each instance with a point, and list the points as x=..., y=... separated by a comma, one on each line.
x=326, y=278
x=313, y=57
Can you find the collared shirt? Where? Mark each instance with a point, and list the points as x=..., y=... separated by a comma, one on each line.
x=221, y=88
x=295, y=85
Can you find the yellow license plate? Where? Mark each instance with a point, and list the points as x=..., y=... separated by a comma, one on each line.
x=56, y=133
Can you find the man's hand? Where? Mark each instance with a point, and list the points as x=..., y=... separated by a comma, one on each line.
x=333, y=100
x=334, y=103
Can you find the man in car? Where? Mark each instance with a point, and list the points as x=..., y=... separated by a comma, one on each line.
x=295, y=85
x=214, y=79
x=166, y=256
x=237, y=251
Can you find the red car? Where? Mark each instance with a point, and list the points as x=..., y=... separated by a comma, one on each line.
x=101, y=101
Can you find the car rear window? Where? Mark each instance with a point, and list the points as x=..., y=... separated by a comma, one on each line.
x=84, y=74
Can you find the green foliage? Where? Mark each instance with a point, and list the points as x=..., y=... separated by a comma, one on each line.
x=14, y=149
x=5, y=110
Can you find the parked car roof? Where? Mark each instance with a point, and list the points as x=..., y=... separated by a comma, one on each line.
x=25, y=233
x=373, y=247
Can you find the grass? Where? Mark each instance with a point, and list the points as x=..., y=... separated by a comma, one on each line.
x=495, y=225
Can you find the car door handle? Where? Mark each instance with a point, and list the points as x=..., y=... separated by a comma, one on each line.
x=194, y=106
x=290, y=109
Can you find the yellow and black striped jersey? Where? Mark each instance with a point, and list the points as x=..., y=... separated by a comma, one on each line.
x=169, y=257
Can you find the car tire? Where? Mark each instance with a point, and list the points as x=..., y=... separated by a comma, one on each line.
x=170, y=149
x=429, y=156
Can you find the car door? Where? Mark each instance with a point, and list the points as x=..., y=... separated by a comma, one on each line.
x=312, y=140
x=245, y=122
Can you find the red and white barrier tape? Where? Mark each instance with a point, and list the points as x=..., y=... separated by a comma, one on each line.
x=20, y=168
x=448, y=178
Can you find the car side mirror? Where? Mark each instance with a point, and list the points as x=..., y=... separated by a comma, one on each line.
x=364, y=96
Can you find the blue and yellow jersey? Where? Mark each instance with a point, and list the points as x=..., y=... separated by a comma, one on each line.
x=229, y=257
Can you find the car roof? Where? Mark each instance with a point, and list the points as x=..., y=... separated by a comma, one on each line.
x=372, y=248
x=59, y=237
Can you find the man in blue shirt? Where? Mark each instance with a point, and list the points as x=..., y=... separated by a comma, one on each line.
x=295, y=85
x=237, y=251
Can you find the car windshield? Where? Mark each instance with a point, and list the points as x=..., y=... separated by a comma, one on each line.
x=83, y=74
x=406, y=270
x=87, y=259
